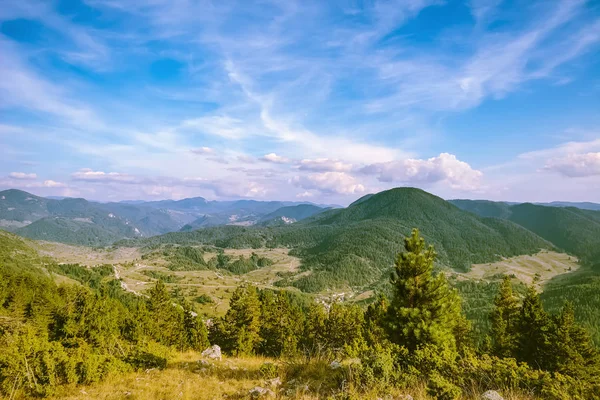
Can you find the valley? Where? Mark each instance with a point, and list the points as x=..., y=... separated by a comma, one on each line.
x=317, y=277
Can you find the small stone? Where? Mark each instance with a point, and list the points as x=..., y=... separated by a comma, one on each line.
x=491, y=395
x=275, y=382
x=258, y=392
x=213, y=352
x=335, y=365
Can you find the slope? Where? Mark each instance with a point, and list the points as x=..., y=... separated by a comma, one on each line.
x=574, y=230
x=483, y=208
x=369, y=233
x=356, y=246
x=290, y=214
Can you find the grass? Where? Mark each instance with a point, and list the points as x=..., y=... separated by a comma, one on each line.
x=540, y=267
x=187, y=376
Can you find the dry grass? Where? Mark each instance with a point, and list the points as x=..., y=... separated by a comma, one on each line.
x=83, y=255
x=188, y=377
x=218, y=285
x=541, y=267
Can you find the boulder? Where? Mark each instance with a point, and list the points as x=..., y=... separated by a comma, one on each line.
x=213, y=352
x=491, y=395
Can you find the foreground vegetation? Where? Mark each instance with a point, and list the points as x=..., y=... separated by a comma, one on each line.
x=418, y=342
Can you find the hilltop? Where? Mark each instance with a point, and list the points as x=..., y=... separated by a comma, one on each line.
x=355, y=246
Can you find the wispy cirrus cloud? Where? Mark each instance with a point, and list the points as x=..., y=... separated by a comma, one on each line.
x=338, y=98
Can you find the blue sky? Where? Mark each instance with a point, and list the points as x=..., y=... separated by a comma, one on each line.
x=301, y=100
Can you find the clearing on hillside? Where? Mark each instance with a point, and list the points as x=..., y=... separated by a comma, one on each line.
x=540, y=267
x=210, y=289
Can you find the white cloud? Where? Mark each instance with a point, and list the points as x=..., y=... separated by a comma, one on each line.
x=53, y=184
x=22, y=86
x=444, y=168
x=274, y=158
x=576, y=165
x=306, y=194
x=217, y=125
x=22, y=175
x=329, y=182
x=90, y=175
x=323, y=165
x=203, y=150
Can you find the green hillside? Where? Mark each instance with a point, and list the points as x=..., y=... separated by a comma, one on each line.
x=65, y=230
x=484, y=208
x=292, y=213
x=356, y=246
x=367, y=234
x=571, y=229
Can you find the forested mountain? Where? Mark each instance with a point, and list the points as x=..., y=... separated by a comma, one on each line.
x=582, y=205
x=356, y=245
x=571, y=229
x=484, y=208
x=79, y=221
x=290, y=214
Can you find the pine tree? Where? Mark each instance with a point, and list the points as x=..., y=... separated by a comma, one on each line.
x=166, y=318
x=535, y=328
x=281, y=324
x=314, y=340
x=196, y=335
x=238, y=332
x=344, y=329
x=424, y=309
x=374, y=321
x=504, y=319
x=573, y=352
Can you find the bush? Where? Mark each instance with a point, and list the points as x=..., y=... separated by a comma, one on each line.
x=269, y=370
x=441, y=389
x=144, y=360
x=203, y=299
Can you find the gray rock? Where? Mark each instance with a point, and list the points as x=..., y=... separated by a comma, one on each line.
x=258, y=392
x=213, y=352
x=274, y=382
x=335, y=365
x=491, y=395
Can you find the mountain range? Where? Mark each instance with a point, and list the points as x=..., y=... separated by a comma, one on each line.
x=356, y=245
x=79, y=221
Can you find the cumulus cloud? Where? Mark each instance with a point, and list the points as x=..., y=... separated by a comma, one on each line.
x=22, y=175
x=89, y=175
x=274, y=158
x=305, y=194
x=53, y=184
x=203, y=150
x=446, y=167
x=576, y=165
x=329, y=182
x=324, y=165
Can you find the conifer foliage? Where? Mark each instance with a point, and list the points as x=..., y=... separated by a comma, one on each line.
x=504, y=320
x=424, y=309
